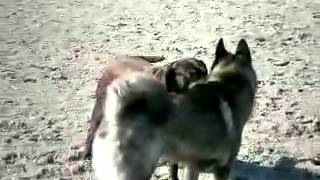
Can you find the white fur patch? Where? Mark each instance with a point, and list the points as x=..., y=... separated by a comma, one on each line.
x=112, y=105
x=103, y=160
x=107, y=160
x=227, y=115
x=105, y=154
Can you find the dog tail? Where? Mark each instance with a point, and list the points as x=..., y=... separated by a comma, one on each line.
x=150, y=59
x=137, y=95
x=137, y=104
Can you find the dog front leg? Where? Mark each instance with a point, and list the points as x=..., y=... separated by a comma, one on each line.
x=222, y=172
x=173, y=169
x=191, y=172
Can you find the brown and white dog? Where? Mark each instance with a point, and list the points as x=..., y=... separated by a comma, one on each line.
x=175, y=76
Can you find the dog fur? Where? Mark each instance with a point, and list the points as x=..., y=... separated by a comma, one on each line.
x=128, y=141
x=175, y=76
x=206, y=128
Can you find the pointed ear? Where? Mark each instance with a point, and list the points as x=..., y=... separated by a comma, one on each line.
x=220, y=50
x=243, y=48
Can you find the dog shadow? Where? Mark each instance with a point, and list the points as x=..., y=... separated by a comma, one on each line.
x=285, y=169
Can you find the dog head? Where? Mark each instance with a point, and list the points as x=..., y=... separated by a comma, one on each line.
x=235, y=70
x=182, y=73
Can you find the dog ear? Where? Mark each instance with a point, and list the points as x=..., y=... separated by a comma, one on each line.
x=243, y=48
x=176, y=81
x=220, y=50
x=220, y=53
x=170, y=78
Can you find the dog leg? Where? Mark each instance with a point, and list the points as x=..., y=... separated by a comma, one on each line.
x=94, y=123
x=173, y=169
x=191, y=172
x=222, y=172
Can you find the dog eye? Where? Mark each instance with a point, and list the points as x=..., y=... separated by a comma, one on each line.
x=194, y=75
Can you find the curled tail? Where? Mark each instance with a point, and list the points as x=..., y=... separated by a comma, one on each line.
x=136, y=95
x=135, y=106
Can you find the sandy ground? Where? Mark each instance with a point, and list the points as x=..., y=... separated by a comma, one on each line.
x=51, y=52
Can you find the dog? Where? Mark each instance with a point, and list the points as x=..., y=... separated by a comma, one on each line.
x=175, y=76
x=127, y=143
x=200, y=128
x=206, y=128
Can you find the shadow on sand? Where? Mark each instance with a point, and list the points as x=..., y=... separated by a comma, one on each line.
x=283, y=170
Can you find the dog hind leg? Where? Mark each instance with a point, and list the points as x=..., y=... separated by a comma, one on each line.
x=94, y=123
x=173, y=169
x=191, y=172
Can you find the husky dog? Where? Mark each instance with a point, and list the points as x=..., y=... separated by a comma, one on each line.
x=128, y=144
x=206, y=127
x=175, y=76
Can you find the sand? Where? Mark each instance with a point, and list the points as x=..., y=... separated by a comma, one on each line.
x=52, y=51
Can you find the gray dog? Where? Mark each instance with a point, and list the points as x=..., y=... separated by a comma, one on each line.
x=206, y=128
x=127, y=144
